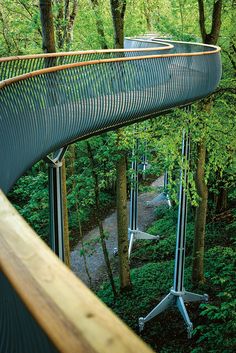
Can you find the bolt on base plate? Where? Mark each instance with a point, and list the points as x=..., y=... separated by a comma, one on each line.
x=141, y=324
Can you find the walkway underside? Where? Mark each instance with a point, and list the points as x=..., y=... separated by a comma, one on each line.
x=49, y=106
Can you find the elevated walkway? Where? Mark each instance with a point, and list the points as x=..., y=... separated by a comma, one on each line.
x=48, y=101
x=91, y=92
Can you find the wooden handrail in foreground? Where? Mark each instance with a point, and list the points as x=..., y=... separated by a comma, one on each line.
x=74, y=319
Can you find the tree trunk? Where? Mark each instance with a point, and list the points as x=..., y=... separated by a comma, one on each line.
x=104, y=249
x=46, y=17
x=98, y=220
x=81, y=238
x=65, y=22
x=222, y=200
x=122, y=224
x=201, y=211
x=70, y=162
x=70, y=24
x=200, y=218
x=213, y=36
x=147, y=14
x=99, y=24
x=59, y=23
x=118, y=13
x=181, y=10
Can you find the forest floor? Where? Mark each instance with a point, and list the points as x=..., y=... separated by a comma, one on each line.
x=94, y=257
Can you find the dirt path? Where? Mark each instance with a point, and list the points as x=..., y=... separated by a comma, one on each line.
x=96, y=261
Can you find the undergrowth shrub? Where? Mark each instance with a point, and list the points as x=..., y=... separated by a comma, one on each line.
x=215, y=321
x=165, y=227
x=149, y=283
x=218, y=332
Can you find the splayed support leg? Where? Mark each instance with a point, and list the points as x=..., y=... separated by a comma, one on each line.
x=56, y=203
x=178, y=296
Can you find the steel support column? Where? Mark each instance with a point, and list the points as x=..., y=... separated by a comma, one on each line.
x=56, y=203
x=178, y=296
x=133, y=232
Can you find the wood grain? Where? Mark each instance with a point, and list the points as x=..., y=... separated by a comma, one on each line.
x=74, y=319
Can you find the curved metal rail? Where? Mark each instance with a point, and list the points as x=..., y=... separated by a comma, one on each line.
x=90, y=92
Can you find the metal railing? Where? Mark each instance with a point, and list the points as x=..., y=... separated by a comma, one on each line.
x=43, y=110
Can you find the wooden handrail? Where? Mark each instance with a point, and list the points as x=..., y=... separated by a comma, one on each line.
x=85, y=52
x=74, y=319
x=22, y=77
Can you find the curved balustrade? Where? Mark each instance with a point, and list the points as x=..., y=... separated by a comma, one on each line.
x=43, y=110
x=18, y=65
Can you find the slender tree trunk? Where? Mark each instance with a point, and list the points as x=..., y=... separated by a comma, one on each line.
x=46, y=17
x=181, y=10
x=70, y=24
x=98, y=220
x=70, y=162
x=147, y=14
x=201, y=211
x=200, y=217
x=213, y=36
x=72, y=171
x=222, y=200
x=66, y=15
x=118, y=13
x=104, y=249
x=59, y=23
x=82, y=245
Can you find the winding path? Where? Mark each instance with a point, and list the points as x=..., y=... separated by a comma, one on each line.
x=95, y=261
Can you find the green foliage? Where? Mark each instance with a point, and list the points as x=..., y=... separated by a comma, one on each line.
x=218, y=331
x=149, y=282
x=30, y=197
x=19, y=27
x=165, y=227
x=89, y=247
x=161, y=139
x=215, y=322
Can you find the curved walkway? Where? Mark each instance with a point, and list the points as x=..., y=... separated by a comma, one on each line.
x=71, y=96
